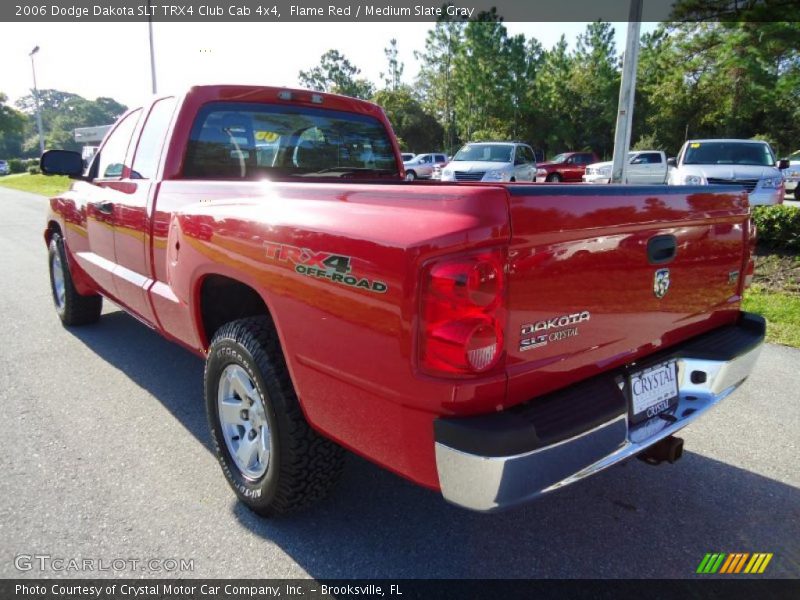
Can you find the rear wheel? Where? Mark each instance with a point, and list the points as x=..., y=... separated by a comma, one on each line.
x=553, y=178
x=797, y=192
x=72, y=307
x=269, y=454
x=410, y=176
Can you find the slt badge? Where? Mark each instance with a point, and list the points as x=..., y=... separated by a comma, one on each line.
x=661, y=283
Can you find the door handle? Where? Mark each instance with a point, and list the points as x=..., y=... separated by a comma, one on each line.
x=103, y=207
x=661, y=249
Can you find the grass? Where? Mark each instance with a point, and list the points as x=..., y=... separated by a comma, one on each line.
x=45, y=185
x=781, y=310
x=776, y=295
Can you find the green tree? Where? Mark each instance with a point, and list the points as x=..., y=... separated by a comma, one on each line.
x=12, y=129
x=723, y=79
x=436, y=79
x=62, y=113
x=417, y=130
x=482, y=80
x=336, y=74
x=392, y=78
x=556, y=98
x=595, y=80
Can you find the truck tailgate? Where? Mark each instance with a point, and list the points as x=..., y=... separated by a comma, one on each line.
x=591, y=283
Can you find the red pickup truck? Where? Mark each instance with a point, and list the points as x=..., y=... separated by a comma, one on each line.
x=492, y=342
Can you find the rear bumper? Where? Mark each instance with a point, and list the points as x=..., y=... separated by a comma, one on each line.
x=496, y=461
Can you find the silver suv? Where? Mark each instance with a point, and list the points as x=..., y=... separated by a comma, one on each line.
x=4, y=168
x=492, y=161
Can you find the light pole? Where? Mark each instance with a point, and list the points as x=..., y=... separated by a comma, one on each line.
x=36, y=100
x=627, y=91
x=152, y=50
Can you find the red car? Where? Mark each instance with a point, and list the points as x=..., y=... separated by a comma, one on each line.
x=493, y=342
x=569, y=166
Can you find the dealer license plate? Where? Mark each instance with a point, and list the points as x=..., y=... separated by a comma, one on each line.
x=653, y=390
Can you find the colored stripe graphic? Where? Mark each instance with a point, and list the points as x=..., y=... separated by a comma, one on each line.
x=711, y=563
x=719, y=562
x=759, y=562
x=741, y=562
x=732, y=560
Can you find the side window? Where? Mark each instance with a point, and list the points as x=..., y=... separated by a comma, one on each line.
x=440, y=158
x=653, y=158
x=151, y=141
x=528, y=154
x=425, y=159
x=112, y=155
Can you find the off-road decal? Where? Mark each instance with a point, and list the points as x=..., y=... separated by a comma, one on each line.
x=333, y=267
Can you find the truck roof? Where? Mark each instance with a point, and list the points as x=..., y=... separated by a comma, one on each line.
x=288, y=95
x=726, y=140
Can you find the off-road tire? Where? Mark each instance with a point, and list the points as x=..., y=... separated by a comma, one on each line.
x=74, y=309
x=303, y=466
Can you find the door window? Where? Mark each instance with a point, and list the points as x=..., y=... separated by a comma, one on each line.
x=112, y=157
x=151, y=141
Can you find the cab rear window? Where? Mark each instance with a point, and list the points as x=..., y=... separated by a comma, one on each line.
x=260, y=141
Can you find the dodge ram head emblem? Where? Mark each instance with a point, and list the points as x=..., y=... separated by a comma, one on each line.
x=661, y=283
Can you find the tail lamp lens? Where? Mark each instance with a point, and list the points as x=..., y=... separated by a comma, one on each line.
x=463, y=315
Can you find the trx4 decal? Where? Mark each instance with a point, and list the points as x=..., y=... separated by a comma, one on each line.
x=333, y=267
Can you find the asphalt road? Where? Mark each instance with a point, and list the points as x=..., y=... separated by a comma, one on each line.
x=104, y=454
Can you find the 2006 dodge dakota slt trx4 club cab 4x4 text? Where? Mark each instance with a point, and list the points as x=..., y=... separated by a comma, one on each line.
x=494, y=342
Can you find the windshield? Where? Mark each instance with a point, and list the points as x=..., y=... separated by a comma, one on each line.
x=500, y=153
x=729, y=153
x=257, y=141
x=560, y=158
x=795, y=156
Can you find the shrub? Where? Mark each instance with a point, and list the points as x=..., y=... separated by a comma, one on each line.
x=34, y=170
x=32, y=162
x=778, y=226
x=16, y=165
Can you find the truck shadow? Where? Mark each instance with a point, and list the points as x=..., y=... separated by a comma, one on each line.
x=631, y=521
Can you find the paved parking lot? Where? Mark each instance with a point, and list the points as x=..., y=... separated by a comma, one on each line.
x=104, y=454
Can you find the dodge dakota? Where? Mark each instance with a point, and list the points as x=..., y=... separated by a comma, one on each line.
x=493, y=342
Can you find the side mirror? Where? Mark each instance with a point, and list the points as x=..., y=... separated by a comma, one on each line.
x=61, y=162
x=672, y=162
x=783, y=163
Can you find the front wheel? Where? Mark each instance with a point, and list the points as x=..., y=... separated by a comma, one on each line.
x=797, y=192
x=553, y=178
x=72, y=307
x=269, y=454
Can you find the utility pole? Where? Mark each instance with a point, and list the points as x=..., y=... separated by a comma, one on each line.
x=627, y=92
x=152, y=50
x=36, y=101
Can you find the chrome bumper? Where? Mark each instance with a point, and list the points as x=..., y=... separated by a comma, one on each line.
x=489, y=483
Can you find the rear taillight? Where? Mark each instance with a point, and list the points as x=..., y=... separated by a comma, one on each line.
x=750, y=262
x=463, y=315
